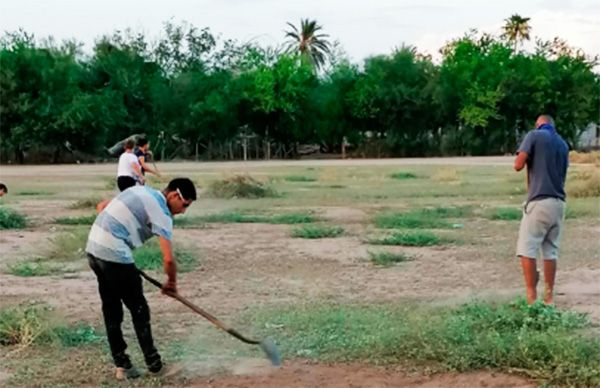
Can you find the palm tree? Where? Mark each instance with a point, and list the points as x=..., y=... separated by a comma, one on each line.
x=311, y=45
x=516, y=29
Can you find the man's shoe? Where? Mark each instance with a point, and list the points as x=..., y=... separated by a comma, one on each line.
x=155, y=367
x=125, y=374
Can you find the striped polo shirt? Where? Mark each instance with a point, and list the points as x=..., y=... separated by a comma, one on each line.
x=131, y=218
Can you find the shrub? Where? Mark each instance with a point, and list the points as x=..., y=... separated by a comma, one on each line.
x=11, y=219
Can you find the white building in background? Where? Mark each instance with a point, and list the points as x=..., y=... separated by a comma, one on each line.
x=590, y=137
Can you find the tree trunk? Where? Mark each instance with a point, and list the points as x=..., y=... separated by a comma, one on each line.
x=267, y=145
x=209, y=150
x=56, y=155
x=19, y=155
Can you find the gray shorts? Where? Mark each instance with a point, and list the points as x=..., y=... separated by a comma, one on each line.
x=541, y=227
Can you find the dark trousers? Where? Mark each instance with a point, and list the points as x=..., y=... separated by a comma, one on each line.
x=124, y=182
x=121, y=283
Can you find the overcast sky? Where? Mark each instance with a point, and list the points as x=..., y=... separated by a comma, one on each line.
x=362, y=27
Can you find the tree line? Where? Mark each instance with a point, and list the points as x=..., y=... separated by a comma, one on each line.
x=196, y=95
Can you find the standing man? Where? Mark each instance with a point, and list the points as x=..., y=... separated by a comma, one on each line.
x=546, y=156
x=141, y=152
x=125, y=223
x=129, y=171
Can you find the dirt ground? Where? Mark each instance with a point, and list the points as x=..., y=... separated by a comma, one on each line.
x=244, y=265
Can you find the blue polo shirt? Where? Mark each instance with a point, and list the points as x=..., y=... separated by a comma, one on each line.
x=547, y=162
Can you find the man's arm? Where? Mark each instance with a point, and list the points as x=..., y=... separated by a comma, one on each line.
x=138, y=171
x=169, y=265
x=521, y=160
x=101, y=205
x=146, y=167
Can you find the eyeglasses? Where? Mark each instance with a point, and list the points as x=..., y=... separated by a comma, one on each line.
x=185, y=204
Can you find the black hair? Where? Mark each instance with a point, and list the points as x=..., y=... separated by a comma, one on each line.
x=3, y=188
x=185, y=186
x=142, y=141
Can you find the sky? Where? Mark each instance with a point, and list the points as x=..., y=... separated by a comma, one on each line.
x=363, y=28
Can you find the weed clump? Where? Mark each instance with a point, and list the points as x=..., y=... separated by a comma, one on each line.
x=240, y=186
x=317, y=231
x=11, y=219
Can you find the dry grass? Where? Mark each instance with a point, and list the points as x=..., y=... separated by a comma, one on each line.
x=240, y=186
x=447, y=174
x=86, y=203
x=584, y=157
x=584, y=183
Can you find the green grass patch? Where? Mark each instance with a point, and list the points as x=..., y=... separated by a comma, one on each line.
x=410, y=239
x=11, y=219
x=292, y=218
x=403, y=175
x=317, y=231
x=77, y=335
x=65, y=255
x=388, y=259
x=447, y=212
x=150, y=257
x=37, y=267
x=540, y=341
x=110, y=183
x=576, y=213
x=240, y=186
x=69, y=246
x=505, y=214
x=236, y=217
x=299, y=178
x=36, y=325
x=409, y=220
x=81, y=220
x=428, y=218
x=33, y=192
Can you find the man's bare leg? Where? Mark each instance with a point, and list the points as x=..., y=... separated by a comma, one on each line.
x=549, y=276
x=531, y=278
